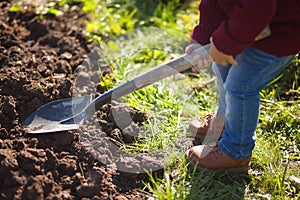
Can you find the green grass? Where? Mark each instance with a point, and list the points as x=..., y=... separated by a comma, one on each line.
x=181, y=182
x=171, y=103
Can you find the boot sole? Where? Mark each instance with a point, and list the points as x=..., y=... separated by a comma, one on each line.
x=236, y=170
x=232, y=170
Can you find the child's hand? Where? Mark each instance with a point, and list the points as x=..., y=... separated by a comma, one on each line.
x=202, y=63
x=219, y=57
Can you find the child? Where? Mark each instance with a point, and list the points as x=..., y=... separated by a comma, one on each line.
x=243, y=67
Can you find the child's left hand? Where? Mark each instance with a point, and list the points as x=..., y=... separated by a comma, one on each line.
x=219, y=57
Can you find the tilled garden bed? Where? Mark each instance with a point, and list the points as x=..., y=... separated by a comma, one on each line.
x=39, y=61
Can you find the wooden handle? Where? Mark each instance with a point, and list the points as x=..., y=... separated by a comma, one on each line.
x=172, y=67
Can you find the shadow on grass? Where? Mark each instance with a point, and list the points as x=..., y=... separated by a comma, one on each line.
x=209, y=185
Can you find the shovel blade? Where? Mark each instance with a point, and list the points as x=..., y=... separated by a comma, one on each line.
x=58, y=115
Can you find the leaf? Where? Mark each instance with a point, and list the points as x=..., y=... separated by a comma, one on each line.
x=116, y=28
x=15, y=8
x=55, y=11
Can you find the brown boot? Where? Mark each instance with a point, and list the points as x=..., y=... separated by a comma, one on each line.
x=209, y=124
x=211, y=158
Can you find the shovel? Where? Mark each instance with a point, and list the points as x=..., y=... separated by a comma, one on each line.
x=69, y=114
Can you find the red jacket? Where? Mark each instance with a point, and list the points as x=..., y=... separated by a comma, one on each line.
x=234, y=24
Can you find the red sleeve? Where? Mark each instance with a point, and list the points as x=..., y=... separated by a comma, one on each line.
x=211, y=15
x=244, y=22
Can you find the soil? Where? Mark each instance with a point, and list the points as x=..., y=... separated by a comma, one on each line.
x=50, y=58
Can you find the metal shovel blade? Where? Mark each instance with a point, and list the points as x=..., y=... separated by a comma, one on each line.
x=58, y=115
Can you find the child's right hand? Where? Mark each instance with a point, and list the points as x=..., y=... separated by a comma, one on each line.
x=202, y=63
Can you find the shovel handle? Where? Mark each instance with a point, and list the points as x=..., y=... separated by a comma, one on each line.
x=172, y=67
x=158, y=73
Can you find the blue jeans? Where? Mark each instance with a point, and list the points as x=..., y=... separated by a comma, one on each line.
x=239, y=98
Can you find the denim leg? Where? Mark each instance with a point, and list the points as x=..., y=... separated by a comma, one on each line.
x=254, y=71
x=221, y=73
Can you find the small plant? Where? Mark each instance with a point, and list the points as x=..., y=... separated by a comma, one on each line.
x=109, y=17
x=49, y=8
x=16, y=7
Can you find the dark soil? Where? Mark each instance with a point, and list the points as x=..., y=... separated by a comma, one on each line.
x=42, y=60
